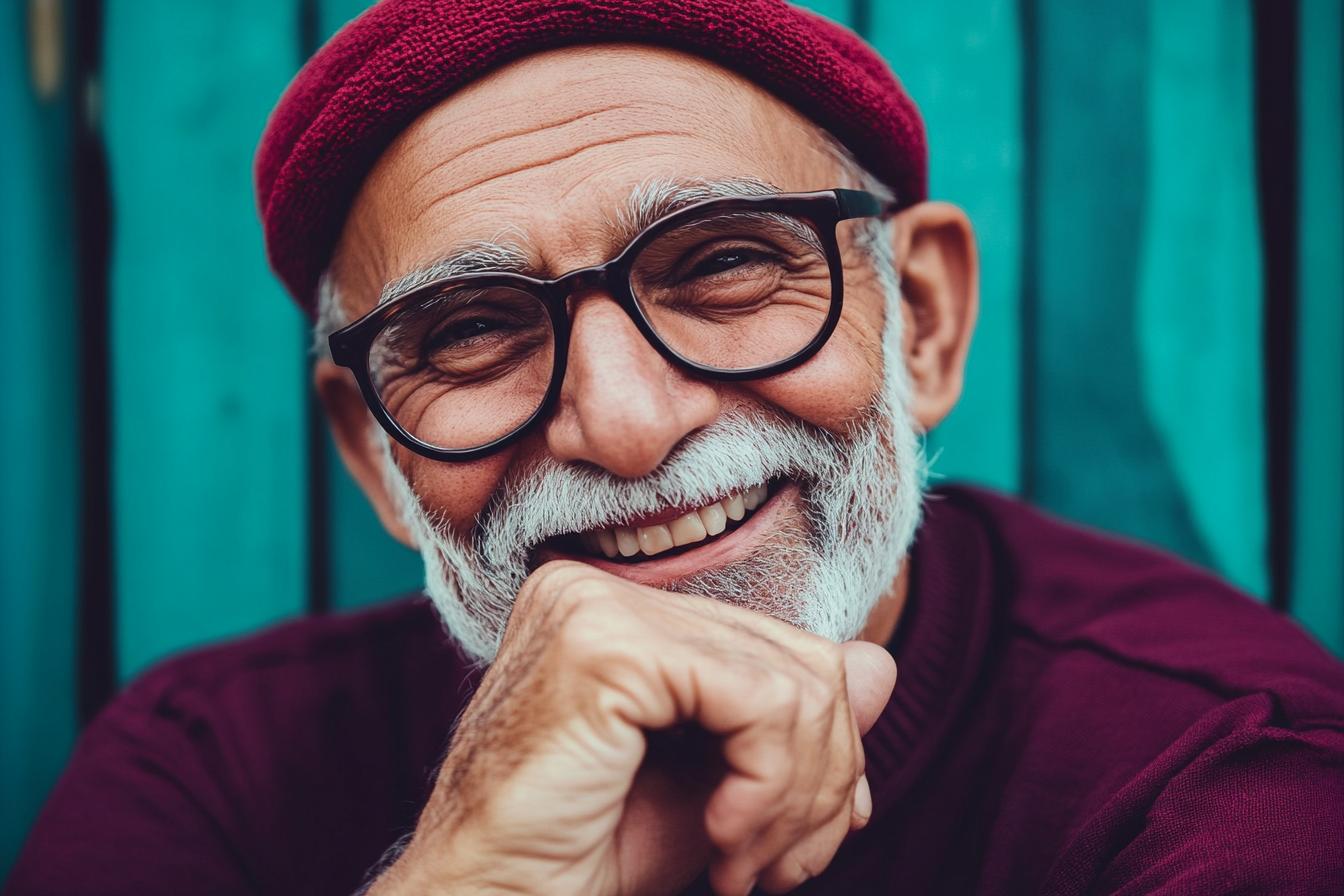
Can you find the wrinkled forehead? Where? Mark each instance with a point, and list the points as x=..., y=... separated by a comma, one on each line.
x=553, y=153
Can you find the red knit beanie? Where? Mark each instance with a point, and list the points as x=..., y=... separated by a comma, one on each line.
x=402, y=56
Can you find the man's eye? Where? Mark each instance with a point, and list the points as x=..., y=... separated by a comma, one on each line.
x=464, y=330
x=722, y=261
x=461, y=333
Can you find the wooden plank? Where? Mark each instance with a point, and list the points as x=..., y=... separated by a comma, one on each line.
x=841, y=11
x=38, y=458
x=333, y=14
x=366, y=564
x=208, y=355
x=1199, y=294
x=1318, y=551
x=1094, y=453
x=962, y=64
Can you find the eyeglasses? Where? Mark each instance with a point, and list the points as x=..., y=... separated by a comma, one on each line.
x=729, y=289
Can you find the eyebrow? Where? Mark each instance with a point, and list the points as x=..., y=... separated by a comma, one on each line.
x=483, y=257
x=650, y=201
x=659, y=197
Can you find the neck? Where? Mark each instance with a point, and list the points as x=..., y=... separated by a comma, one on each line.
x=881, y=624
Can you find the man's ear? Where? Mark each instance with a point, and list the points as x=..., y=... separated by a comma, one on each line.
x=940, y=287
x=352, y=428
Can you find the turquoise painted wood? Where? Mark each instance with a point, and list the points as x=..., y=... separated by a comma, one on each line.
x=1096, y=451
x=1198, y=297
x=38, y=460
x=1318, y=547
x=332, y=14
x=208, y=355
x=841, y=11
x=366, y=565
x=962, y=64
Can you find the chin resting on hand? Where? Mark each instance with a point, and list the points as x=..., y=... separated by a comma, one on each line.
x=626, y=739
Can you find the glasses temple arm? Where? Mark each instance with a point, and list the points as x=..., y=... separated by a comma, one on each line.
x=862, y=204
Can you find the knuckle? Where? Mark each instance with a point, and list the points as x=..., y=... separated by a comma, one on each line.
x=565, y=609
x=812, y=865
x=557, y=587
x=782, y=693
x=832, y=661
x=835, y=793
x=582, y=634
x=788, y=872
x=551, y=575
x=823, y=669
x=824, y=695
x=588, y=623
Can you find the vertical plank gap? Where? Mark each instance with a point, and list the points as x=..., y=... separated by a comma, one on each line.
x=1276, y=116
x=97, y=674
x=861, y=13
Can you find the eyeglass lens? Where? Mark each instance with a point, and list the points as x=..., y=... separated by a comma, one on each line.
x=733, y=290
x=461, y=368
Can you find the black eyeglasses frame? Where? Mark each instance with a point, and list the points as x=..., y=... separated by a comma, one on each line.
x=351, y=345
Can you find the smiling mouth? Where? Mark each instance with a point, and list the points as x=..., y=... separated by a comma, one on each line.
x=668, y=533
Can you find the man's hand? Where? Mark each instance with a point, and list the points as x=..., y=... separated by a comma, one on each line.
x=627, y=737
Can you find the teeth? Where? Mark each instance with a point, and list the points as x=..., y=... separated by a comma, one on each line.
x=714, y=519
x=627, y=541
x=687, y=529
x=655, y=539
x=706, y=522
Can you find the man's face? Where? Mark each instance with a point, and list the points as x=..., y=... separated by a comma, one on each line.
x=544, y=156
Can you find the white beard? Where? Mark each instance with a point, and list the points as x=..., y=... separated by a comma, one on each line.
x=861, y=498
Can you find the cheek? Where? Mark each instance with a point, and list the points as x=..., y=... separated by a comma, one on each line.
x=836, y=386
x=456, y=492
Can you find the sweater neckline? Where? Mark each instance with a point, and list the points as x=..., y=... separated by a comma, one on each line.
x=939, y=645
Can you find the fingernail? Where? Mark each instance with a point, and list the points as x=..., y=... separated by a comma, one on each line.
x=863, y=802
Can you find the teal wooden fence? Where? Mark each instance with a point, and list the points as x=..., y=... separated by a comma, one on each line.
x=1134, y=276
x=39, y=470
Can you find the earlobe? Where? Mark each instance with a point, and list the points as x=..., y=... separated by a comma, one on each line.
x=351, y=428
x=940, y=287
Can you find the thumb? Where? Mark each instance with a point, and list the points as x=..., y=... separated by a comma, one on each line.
x=870, y=675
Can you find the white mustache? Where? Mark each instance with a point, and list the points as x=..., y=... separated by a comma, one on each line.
x=742, y=448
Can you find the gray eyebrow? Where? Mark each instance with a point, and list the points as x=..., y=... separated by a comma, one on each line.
x=659, y=197
x=651, y=200
x=485, y=257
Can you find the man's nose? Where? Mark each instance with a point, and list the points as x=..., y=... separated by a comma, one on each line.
x=622, y=406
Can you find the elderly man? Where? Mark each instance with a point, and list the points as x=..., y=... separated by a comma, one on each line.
x=636, y=312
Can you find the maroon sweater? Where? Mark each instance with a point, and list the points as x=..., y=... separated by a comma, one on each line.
x=1073, y=715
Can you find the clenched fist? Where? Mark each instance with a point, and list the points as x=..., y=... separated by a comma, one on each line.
x=627, y=738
